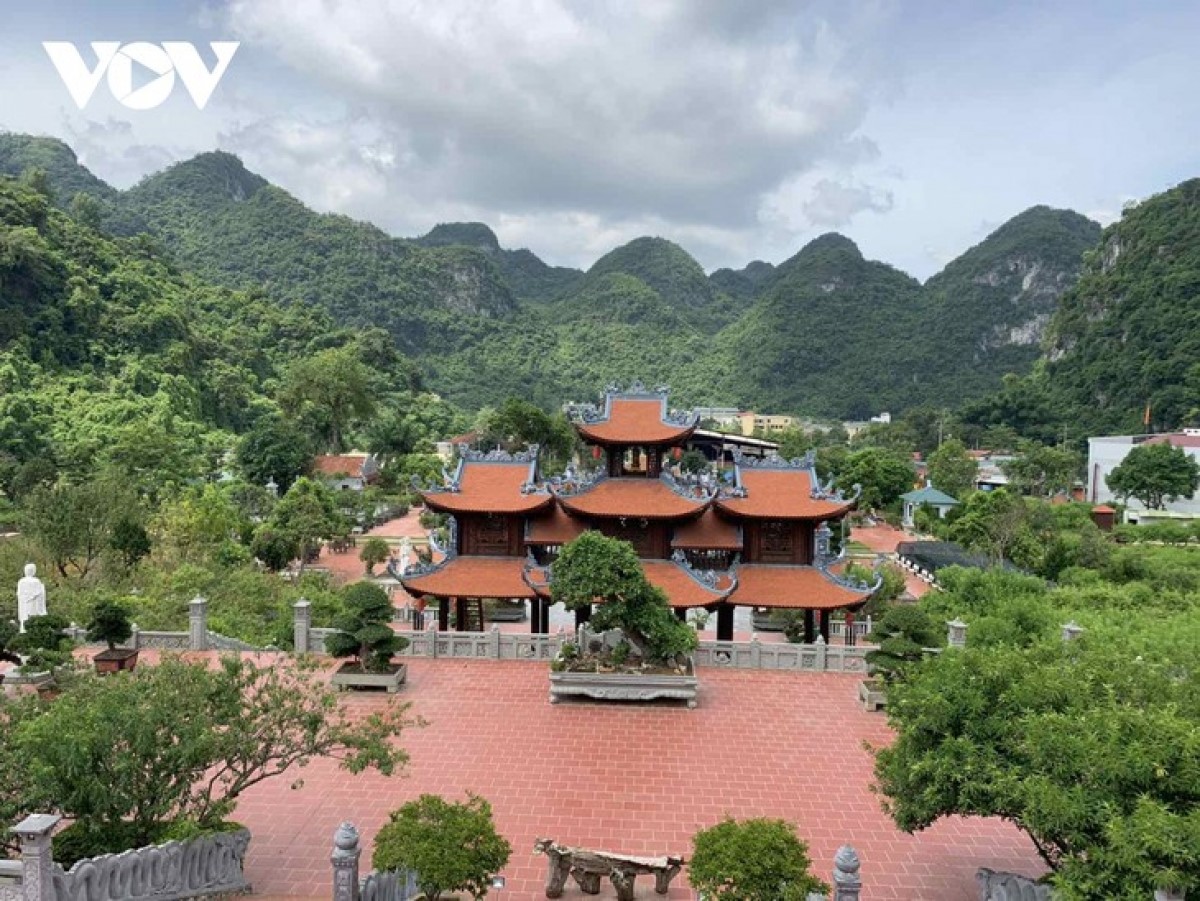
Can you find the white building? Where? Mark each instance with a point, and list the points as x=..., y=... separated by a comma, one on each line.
x=1106, y=453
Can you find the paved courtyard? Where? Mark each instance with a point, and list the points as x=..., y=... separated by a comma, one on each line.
x=636, y=779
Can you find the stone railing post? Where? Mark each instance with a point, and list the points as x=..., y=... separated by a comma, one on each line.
x=755, y=652
x=494, y=638
x=1166, y=894
x=37, y=880
x=956, y=633
x=819, y=644
x=847, y=885
x=431, y=634
x=301, y=622
x=135, y=637
x=1071, y=631
x=345, y=863
x=198, y=624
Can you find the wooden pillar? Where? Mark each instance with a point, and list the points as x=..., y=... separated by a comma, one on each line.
x=582, y=615
x=725, y=622
x=545, y=602
x=810, y=627
x=615, y=459
x=681, y=614
x=825, y=625
x=460, y=614
x=653, y=462
x=849, y=636
x=443, y=614
x=535, y=615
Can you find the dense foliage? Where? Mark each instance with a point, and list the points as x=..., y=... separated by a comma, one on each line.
x=752, y=860
x=450, y=846
x=364, y=629
x=129, y=758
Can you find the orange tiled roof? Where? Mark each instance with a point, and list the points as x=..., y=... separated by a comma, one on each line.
x=681, y=588
x=708, y=531
x=797, y=587
x=489, y=487
x=553, y=527
x=340, y=464
x=473, y=577
x=636, y=498
x=784, y=493
x=640, y=419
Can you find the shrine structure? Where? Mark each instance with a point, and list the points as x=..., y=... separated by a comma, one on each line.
x=756, y=535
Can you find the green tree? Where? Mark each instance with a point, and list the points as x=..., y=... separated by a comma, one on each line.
x=73, y=523
x=450, y=846
x=902, y=633
x=883, y=475
x=952, y=469
x=752, y=860
x=199, y=522
x=274, y=546
x=330, y=390
x=308, y=514
x=374, y=551
x=273, y=450
x=130, y=540
x=596, y=569
x=1040, y=470
x=126, y=758
x=1155, y=474
x=997, y=523
x=693, y=461
x=364, y=629
x=1091, y=747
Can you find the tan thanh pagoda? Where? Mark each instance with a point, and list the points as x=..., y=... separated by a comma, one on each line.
x=759, y=539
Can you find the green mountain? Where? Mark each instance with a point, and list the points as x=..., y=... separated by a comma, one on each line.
x=826, y=332
x=1127, y=337
x=831, y=334
x=109, y=353
x=529, y=277
x=992, y=305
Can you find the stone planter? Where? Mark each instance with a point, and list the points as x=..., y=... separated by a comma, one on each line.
x=115, y=661
x=762, y=621
x=505, y=612
x=37, y=680
x=873, y=695
x=349, y=675
x=625, y=686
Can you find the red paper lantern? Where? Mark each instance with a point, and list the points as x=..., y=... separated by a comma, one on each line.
x=677, y=453
x=595, y=452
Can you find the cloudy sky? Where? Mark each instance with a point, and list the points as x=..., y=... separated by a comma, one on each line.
x=739, y=129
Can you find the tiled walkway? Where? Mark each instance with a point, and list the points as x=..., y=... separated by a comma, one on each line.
x=638, y=779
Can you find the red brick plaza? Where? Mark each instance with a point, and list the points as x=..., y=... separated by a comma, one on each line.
x=637, y=779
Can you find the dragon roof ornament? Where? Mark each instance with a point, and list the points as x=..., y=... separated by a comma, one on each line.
x=708, y=578
x=570, y=483
x=696, y=487
x=591, y=414
x=449, y=551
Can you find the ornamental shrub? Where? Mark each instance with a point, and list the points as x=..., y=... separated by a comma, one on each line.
x=903, y=633
x=110, y=624
x=364, y=629
x=450, y=846
x=752, y=860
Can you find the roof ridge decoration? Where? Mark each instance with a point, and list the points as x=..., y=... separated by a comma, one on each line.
x=570, y=484
x=539, y=585
x=773, y=461
x=449, y=551
x=707, y=578
x=591, y=414
x=452, y=482
x=694, y=486
x=852, y=584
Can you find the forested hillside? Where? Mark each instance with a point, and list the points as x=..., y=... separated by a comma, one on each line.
x=1124, y=343
x=826, y=332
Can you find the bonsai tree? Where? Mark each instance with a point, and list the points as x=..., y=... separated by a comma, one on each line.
x=903, y=633
x=364, y=630
x=451, y=847
x=109, y=624
x=44, y=643
x=752, y=860
x=374, y=552
x=597, y=569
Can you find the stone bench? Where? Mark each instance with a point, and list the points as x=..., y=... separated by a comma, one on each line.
x=588, y=867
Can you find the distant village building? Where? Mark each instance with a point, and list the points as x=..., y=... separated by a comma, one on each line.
x=989, y=472
x=723, y=417
x=914, y=500
x=765, y=423
x=1105, y=453
x=346, y=472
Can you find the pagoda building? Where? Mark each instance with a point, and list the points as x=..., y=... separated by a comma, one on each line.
x=759, y=537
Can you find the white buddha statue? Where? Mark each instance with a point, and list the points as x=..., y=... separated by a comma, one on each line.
x=31, y=596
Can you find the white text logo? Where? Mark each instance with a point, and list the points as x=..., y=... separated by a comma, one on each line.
x=162, y=63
